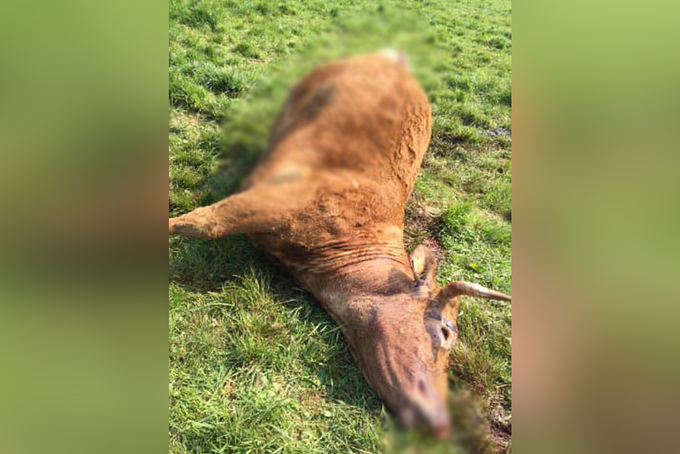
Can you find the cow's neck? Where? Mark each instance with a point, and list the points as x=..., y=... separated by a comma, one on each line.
x=350, y=276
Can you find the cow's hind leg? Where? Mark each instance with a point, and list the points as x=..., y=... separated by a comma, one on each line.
x=250, y=211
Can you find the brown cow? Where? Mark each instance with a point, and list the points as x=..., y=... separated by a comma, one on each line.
x=327, y=200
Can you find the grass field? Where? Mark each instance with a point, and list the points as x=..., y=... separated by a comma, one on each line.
x=255, y=364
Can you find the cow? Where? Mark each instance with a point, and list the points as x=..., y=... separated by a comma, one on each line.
x=327, y=201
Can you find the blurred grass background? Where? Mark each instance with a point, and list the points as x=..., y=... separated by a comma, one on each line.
x=255, y=364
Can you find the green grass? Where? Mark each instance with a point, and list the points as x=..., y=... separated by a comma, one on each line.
x=255, y=364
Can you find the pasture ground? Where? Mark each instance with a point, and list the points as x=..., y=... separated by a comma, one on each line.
x=255, y=364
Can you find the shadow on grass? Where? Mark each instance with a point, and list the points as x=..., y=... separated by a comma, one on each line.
x=205, y=265
x=339, y=376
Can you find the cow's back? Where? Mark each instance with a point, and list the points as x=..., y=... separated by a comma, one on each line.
x=365, y=115
x=350, y=139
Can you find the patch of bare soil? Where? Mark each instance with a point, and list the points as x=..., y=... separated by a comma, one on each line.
x=501, y=437
x=499, y=132
x=420, y=224
x=500, y=429
x=448, y=145
x=311, y=401
x=181, y=118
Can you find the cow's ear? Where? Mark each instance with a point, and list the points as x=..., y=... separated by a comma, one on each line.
x=424, y=265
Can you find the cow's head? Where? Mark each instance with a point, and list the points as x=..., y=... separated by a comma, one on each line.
x=406, y=345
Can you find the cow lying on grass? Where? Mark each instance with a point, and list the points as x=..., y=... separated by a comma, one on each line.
x=327, y=200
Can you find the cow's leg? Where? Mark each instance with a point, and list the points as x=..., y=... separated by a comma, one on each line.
x=251, y=211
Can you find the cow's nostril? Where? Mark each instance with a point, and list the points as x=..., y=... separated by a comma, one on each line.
x=445, y=333
x=421, y=386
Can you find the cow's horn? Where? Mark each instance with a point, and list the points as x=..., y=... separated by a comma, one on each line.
x=468, y=288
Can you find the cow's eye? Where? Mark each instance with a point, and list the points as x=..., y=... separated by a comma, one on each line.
x=449, y=324
x=448, y=330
